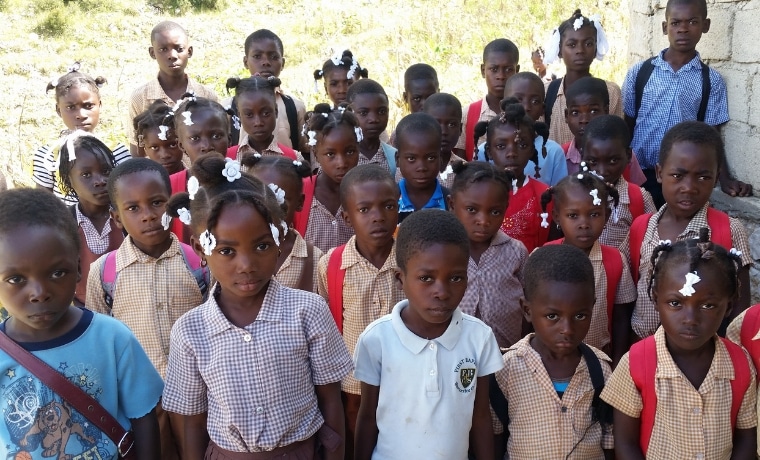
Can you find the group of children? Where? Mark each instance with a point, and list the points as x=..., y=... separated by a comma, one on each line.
x=455, y=289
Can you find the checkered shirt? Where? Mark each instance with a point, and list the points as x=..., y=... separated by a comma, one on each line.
x=325, y=230
x=96, y=241
x=558, y=130
x=378, y=159
x=616, y=232
x=282, y=128
x=292, y=267
x=486, y=114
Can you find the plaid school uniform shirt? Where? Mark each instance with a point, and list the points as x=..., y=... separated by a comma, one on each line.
x=325, y=230
x=368, y=294
x=558, y=130
x=96, y=240
x=645, y=319
x=290, y=272
x=616, y=231
x=494, y=288
x=377, y=159
x=535, y=407
x=486, y=114
x=149, y=295
x=689, y=423
x=273, y=149
x=292, y=346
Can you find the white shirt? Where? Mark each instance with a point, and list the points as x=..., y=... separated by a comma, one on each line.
x=427, y=387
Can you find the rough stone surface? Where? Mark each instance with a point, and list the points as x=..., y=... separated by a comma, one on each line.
x=736, y=82
x=717, y=44
x=742, y=149
x=746, y=37
x=752, y=97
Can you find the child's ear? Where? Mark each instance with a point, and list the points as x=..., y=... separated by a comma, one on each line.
x=396, y=154
x=483, y=70
x=517, y=68
x=658, y=173
x=566, y=115
x=729, y=309
x=706, y=25
x=189, y=52
x=399, y=275
x=346, y=218
x=196, y=245
x=116, y=218
x=665, y=26
x=449, y=202
x=629, y=154
x=57, y=109
x=283, y=63
x=403, y=96
x=555, y=215
x=606, y=109
x=525, y=305
x=245, y=61
x=151, y=52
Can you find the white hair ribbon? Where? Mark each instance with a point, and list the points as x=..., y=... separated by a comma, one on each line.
x=312, y=138
x=446, y=172
x=359, y=134
x=602, y=45
x=514, y=186
x=595, y=195
x=688, y=286
x=551, y=54
x=275, y=233
x=278, y=193
x=735, y=252
x=544, y=220
x=162, y=132
x=231, y=170
x=188, y=120
x=184, y=216
x=208, y=242
x=192, y=187
x=166, y=221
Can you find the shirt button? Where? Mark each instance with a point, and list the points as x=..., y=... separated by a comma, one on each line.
x=259, y=409
x=697, y=410
x=432, y=372
x=564, y=409
x=159, y=306
x=700, y=456
x=247, y=337
x=335, y=222
x=432, y=346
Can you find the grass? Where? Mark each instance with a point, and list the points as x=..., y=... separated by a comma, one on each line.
x=111, y=38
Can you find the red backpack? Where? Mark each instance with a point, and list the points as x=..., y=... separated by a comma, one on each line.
x=636, y=205
x=750, y=327
x=643, y=367
x=301, y=218
x=286, y=151
x=473, y=114
x=335, y=278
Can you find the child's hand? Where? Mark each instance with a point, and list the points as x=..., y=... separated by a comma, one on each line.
x=735, y=187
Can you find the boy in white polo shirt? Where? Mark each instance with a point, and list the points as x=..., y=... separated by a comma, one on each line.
x=425, y=367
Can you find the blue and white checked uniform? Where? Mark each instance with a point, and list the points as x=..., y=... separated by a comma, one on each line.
x=669, y=98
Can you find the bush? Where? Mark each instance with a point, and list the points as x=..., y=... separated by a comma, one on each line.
x=183, y=6
x=54, y=23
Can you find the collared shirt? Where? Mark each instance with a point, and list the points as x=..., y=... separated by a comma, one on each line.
x=573, y=157
x=405, y=206
x=445, y=178
x=149, y=295
x=377, y=159
x=325, y=230
x=368, y=294
x=244, y=147
x=689, y=423
x=292, y=267
x=427, y=387
x=494, y=288
x=522, y=220
x=486, y=114
x=96, y=240
x=256, y=382
x=616, y=231
x=282, y=128
x=645, y=319
x=558, y=130
x=534, y=407
x=669, y=98
x=552, y=168
x=151, y=91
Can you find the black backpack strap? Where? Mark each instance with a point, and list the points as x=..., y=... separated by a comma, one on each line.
x=600, y=409
x=73, y=209
x=498, y=402
x=642, y=77
x=290, y=111
x=706, y=88
x=234, y=133
x=551, y=98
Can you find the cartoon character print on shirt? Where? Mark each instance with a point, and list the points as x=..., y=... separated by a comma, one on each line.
x=465, y=375
x=42, y=425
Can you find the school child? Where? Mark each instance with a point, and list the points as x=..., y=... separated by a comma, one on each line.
x=500, y=62
x=96, y=356
x=264, y=57
x=170, y=48
x=297, y=264
x=420, y=82
x=581, y=209
x=77, y=102
x=368, y=101
x=438, y=405
x=537, y=59
x=587, y=98
x=85, y=164
x=577, y=41
x=676, y=77
x=510, y=144
x=551, y=378
x=339, y=73
x=358, y=278
x=479, y=200
x=159, y=141
x=256, y=107
x=447, y=111
x=238, y=332
x=606, y=152
x=705, y=385
x=688, y=167
x=334, y=137
x=419, y=159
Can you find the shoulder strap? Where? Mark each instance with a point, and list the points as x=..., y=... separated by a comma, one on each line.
x=499, y=402
x=306, y=282
x=642, y=77
x=473, y=113
x=232, y=152
x=635, y=240
x=741, y=380
x=720, y=228
x=287, y=151
x=86, y=405
x=390, y=156
x=637, y=200
x=335, y=277
x=301, y=218
x=601, y=411
x=642, y=361
x=551, y=98
x=612, y=261
x=706, y=88
x=179, y=181
x=290, y=111
x=200, y=273
x=108, y=277
x=750, y=328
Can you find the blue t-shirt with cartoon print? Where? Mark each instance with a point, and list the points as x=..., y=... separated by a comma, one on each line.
x=104, y=359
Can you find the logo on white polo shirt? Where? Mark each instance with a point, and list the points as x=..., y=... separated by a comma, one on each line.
x=465, y=372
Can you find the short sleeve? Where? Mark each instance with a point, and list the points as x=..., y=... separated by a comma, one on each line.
x=328, y=355
x=95, y=300
x=620, y=392
x=490, y=356
x=740, y=240
x=616, y=103
x=747, y=416
x=185, y=390
x=501, y=379
x=121, y=154
x=629, y=90
x=41, y=175
x=368, y=357
x=734, y=330
x=139, y=384
x=717, y=105
x=322, y=275
x=135, y=109
x=649, y=206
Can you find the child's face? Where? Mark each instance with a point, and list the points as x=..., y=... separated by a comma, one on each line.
x=165, y=152
x=337, y=83
x=39, y=269
x=608, y=157
x=561, y=315
x=419, y=159
x=372, y=112
x=434, y=282
x=417, y=92
x=208, y=133
x=497, y=69
x=578, y=48
x=580, y=111
x=79, y=108
x=89, y=177
x=451, y=126
x=538, y=63
x=691, y=321
x=531, y=95
x=684, y=25
x=581, y=220
x=293, y=188
x=337, y=152
x=264, y=58
x=480, y=207
x=511, y=151
x=258, y=115
x=170, y=49
x=688, y=176
x=371, y=209
x=140, y=202
x=245, y=255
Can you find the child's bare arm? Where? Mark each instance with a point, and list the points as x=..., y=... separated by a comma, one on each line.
x=331, y=406
x=626, y=430
x=745, y=444
x=366, y=423
x=195, y=438
x=621, y=330
x=147, y=439
x=481, y=433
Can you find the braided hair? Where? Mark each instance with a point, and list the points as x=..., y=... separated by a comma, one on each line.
x=587, y=180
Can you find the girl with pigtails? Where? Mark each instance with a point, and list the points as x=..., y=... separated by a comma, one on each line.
x=338, y=73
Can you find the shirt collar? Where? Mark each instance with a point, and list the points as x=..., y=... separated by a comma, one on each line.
x=245, y=147
x=415, y=343
x=435, y=201
x=595, y=255
x=271, y=309
x=721, y=367
x=695, y=224
x=81, y=219
x=573, y=154
x=130, y=254
x=622, y=189
x=659, y=61
x=352, y=257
